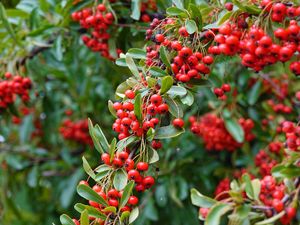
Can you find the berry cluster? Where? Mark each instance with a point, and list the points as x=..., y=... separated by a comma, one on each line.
x=77, y=131
x=112, y=197
x=292, y=134
x=146, y=7
x=264, y=162
x=135, y=173
x=279, y=11
x=214, y=134
x=127, y=123
x=13, y=86
x=98, y=21
x=272, y=194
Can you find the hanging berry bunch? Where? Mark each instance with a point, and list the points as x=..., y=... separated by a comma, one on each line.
x=12, y=86
x=213, y=131
x=76, y=131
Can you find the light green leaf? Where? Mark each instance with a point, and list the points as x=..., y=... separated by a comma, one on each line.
x=216, y=212
x=133, y=215
x=200, y=200
x=137, y=53
x=136, y=9
x=191, y=26
x=235, y=129
x=120, y=179
x=84, y=218
x=87, y=168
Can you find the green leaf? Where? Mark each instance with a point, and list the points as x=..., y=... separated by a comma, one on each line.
x=120, y=179
x=138, y=107
x=112, y=149
x=133, y=215
x=286, y=171
x=111, y=108
x=216, y=212
x=121, y=90
x=157, y=72
x=271, y=220
x=191, y=26
x=79, y=207
x=164, y=57
x=7, y=25
x=235, y=129
x=95, y=140
x=126, y=194
x=131, y=65
x=256, y=188
x=167, y=132
x=125, y=142
x=100, y=175
x=174, y=107
x=100, y=136
x=124, y=215
x=248, y=186
x=26, y=129
x=177, y=91
x=88, y=193
x=110, y=209
x=112, y=47
x=136, y=9
x=188, y=99
x=196, y=15
x=66, y=220
x=174, y=11
x=153, y=155
x=137, y=53
x=84, y=218
x=87, y=168
x=200, y=200
x=151, y=81
x=121, y=62
x=254, y=93
x=150, y=134
x=166, y=84
x=178, y=4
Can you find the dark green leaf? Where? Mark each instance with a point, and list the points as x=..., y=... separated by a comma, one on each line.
x=91, y=211
x=166, y=84
x=89, y=194
x=164, y=57
x=66, y=220
x=167, y=132
x=235, y=129
x=254, y=93
x=138, y=107
x=157, y=72
x=196, y=15
x=126, y=194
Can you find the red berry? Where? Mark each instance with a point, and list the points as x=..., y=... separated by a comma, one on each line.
x=148, y=182
x=159, y=38
x=226, y=87
x=178, y=122
x=130, y=94
x=142, y=166
x=133, y=200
